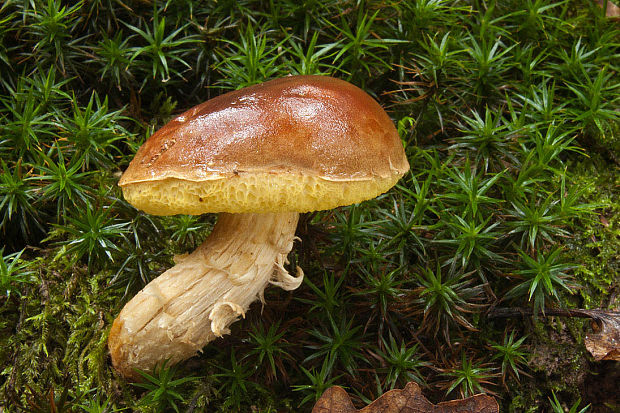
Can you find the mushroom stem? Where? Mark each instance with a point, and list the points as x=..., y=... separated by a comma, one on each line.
x=195, y=301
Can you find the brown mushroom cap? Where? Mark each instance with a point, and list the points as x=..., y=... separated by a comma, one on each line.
x=298, y=143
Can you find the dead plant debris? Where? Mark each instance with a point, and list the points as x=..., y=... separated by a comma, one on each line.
x=408, y=400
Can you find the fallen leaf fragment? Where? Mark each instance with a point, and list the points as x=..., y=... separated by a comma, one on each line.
x=408, y=400
x=612, y=10
x=604, y=221
x=604, y=342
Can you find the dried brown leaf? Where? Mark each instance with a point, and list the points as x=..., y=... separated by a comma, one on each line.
x=604, y=342
x=408, y=400
x=612, y=11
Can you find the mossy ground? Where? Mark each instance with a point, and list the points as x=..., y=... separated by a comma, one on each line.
x=508, y=111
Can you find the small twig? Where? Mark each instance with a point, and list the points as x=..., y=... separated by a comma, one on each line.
x=602, y=343
x=509, y=312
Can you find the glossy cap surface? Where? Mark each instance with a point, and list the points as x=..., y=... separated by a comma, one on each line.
x=252, y=149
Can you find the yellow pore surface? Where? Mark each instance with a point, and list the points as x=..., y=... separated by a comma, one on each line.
x=259, y=192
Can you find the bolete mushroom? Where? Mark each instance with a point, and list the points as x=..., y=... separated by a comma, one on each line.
x=260, y=156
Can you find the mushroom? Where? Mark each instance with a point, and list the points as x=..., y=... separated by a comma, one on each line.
x=259, y=156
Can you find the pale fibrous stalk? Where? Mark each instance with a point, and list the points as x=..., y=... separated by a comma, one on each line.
x=195, y=301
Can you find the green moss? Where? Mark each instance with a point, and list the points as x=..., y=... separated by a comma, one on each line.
x=597, y=246
x=59, y=334
x=525, y=402
x=508, y=113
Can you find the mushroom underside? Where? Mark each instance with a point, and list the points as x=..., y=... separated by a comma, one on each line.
x=195, y=301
